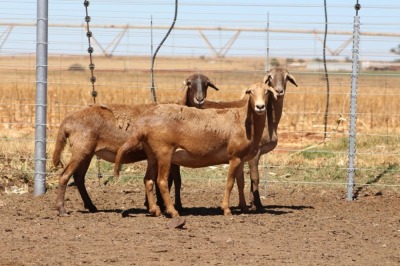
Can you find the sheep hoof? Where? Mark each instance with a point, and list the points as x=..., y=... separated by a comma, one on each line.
x=64, y=214
x=174, y=214
x=178, y=207
x=260, y=209
x=257, y=207
x=125, y=213
x=155, y=212
x=227, y=212
x=244, y=209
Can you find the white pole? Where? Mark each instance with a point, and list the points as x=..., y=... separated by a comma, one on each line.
x=41, y=97
x=353, y=106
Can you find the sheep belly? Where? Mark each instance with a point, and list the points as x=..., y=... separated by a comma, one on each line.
x=193, y=160
x=106, y=155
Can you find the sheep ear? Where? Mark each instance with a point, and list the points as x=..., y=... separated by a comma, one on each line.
x=210, y=84
x=244, y=92
x=273, y=91
x=291, y=79
x=184, y=84
x=267, y=78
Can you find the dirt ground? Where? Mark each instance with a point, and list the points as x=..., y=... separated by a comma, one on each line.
x=302, y=225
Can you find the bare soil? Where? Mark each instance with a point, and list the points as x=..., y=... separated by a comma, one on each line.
x=302, y=225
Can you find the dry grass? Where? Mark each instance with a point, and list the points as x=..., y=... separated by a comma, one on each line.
x=127, y=80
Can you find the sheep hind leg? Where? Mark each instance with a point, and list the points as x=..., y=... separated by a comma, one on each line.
x=255, y=201
x=130, y=145
x=70, y=169
x=62, y=187
x=79, y=177
x=174, y=178
x=149, y=180
x=162, y=182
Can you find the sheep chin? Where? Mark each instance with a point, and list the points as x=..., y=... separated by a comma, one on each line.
x=260, y=111
x=200, y=103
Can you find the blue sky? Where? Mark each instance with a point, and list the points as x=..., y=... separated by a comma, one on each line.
x=376, y=16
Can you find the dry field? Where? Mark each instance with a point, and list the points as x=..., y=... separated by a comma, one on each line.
x=301, y=226
x=307, y=221
x=127, y=80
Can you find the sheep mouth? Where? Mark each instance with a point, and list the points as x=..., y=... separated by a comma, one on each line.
x=260, y=111
x=201, y=102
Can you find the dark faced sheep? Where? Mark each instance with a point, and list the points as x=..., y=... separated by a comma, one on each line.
x=101, y=131
x=276, y=78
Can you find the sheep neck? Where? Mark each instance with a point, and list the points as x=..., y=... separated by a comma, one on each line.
x=274, y=110
x=274, y=114
x=254, y=124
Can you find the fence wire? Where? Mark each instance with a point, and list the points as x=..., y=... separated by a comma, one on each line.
x=302, y=157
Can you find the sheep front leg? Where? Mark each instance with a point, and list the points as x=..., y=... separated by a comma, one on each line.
x=234, y=167
x=240, y=185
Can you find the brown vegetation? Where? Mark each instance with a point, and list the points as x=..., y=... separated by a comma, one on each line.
x=126, y=80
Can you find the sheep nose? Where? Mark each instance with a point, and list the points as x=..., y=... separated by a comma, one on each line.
x=280, y=91
x=201, y=101
x=260, y=107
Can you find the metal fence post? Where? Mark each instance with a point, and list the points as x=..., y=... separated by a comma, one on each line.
x=41, y=97
x=353, y=106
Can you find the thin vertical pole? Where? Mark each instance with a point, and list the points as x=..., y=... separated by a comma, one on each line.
x=266, y=67
x=353, y=106
x=326, y=76
x=41, y=97
x=152, y=88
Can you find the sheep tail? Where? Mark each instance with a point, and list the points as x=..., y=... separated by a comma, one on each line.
x=61, y=141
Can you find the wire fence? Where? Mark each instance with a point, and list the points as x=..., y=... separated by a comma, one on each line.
x=234, y=45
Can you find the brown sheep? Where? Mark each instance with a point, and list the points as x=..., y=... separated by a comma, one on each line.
x=101, y=131
x=197, y=138
x=276, y=78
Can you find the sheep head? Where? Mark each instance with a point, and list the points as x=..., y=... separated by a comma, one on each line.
x=259, y=94
x=277, y=79
x=197, y=85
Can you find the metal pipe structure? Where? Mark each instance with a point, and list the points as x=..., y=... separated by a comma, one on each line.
x=196, y=28
x=41, y=97
x=268, y=30
x=353, y=106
